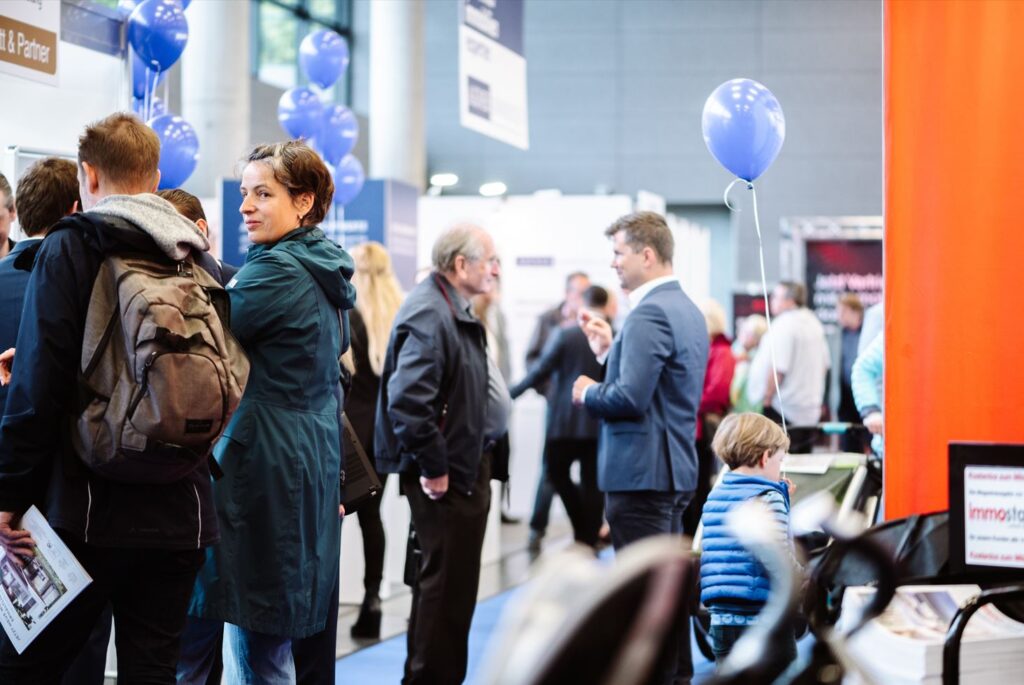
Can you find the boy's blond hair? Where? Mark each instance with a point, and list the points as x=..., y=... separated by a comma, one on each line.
x=742, y=439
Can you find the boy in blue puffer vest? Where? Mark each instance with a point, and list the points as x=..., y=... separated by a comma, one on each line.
x=734, y=585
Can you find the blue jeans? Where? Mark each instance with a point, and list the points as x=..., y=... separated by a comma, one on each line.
x=249, y=657
x=724, y=637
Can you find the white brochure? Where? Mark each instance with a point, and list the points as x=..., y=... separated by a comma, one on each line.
x=36, y=590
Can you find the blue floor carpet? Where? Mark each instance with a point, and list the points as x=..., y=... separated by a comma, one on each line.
x=382, y=663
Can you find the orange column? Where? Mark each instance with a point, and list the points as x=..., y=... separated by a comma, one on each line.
x=954, y=238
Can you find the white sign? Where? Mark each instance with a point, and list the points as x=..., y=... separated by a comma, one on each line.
x=29, y=39
x=994, y=516
x=492, y=70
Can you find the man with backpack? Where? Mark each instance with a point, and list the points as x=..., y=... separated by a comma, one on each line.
x=98, y=430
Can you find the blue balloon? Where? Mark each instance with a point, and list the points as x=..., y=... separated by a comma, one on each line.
x=348, y=180
x=179, y=149
x=300, y=113
x=158, y=30
x=323, y=55
x=142, y=78
x=157, y=106
x=743, y=127
x=338, y=135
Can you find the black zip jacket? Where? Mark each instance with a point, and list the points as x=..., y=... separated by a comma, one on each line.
x=433, y=394
x=37, y=462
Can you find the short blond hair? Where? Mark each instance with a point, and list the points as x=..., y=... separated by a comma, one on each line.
x=742, y=439
x=122, y=148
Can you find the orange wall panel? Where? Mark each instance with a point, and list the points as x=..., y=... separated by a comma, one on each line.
x=954, y=242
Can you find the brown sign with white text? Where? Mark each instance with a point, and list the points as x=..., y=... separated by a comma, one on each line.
x=28, y=46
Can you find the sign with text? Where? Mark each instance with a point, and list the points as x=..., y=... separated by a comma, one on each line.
x=834, y=267
x=492, y=70
x=29, y=36
x=385, y=211
x=994, y=516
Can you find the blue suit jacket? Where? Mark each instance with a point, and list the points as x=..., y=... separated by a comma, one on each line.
x=649, y=398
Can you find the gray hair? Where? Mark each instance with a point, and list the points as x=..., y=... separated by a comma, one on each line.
x=464, y=240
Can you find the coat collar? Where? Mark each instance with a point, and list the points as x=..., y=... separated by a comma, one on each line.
x=456, y=302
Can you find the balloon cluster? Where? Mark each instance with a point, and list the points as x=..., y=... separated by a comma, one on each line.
x=157, y=31
x=332, y=130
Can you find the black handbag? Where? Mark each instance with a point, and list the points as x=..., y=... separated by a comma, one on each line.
x=359, y=480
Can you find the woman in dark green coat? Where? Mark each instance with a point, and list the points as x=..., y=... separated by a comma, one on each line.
x=271, y=578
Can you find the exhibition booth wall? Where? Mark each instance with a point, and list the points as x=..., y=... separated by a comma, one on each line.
x=953, y=241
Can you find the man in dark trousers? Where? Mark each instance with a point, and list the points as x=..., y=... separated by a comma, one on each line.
x=142, y=544
x=562, y=314
x=571, y=433
x=431, y=417
x=647, y=403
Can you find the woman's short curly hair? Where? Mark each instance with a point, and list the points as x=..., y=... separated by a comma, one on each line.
x=301, y=170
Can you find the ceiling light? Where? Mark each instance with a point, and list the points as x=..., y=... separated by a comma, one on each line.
x=444, y=180
x=493, y=189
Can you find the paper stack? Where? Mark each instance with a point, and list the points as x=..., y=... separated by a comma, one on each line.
x=904, y=644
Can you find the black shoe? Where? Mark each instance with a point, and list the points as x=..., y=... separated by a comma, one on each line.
x=533, y=545
x=509, y=520
x=367, y=626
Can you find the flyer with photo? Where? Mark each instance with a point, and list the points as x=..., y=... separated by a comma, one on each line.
x=36, y=590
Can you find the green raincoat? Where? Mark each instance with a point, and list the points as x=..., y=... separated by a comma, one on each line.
x=277, y=504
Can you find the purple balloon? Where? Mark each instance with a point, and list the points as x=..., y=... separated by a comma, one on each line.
x=179, y=149
x=158, y=107
x=348, y=180
x=338, y=135
x=300, y=113
x=323, y=55
x=158, y=30
x=142, y=78
x=743, y=127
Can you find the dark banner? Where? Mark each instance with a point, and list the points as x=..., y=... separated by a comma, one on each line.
x=834, y=267
x=743, y=305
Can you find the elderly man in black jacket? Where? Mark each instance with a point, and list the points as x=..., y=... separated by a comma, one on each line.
x=431, y=417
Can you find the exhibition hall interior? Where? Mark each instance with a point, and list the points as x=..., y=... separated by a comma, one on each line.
x=510, y=342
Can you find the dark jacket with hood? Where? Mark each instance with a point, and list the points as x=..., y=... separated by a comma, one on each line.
x=433, y=396
x=277, y=562
x=37, y=462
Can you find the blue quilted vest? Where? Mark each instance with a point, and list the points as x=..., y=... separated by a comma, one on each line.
x=731, y=579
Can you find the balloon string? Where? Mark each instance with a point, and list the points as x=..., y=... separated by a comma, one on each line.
x=152, y=94
x=767, y=308
x=725, y=196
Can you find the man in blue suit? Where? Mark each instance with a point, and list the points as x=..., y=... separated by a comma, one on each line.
x=647, y=403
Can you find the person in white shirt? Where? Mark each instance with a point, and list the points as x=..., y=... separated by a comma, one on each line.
x=802, y=360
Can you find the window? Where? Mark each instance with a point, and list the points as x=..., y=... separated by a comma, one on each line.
x=279, y=27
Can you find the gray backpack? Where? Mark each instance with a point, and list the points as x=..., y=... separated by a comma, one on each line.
x=161, y=373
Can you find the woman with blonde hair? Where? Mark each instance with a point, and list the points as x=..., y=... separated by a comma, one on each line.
x=379, y=297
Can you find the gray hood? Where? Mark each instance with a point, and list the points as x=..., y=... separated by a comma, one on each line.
x=157, y=218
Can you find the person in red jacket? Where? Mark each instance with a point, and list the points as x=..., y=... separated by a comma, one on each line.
x=714, y=405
